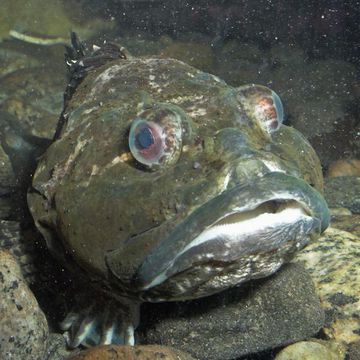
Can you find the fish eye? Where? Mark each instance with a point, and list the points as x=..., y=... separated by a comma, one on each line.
x=270, y=110
x=263, y=105
x=155, y=137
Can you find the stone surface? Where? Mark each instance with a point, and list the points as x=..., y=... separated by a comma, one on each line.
x=31, y=101
x=254, y=317
x=118, y=352
x=333, y=262
x=354, y=351
x=346, y=167
x=23, y=325
x=313, y=350
x=343, y=192
x=7, y=185
x=7, y=178
x=349, y=223
x=56, y=348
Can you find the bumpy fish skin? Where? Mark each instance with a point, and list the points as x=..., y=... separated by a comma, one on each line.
x=159, y=174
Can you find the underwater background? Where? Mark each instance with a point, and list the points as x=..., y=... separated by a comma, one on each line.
x=308, y=52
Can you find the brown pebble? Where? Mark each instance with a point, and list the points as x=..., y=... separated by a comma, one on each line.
x=346, y=167
x=126, y=352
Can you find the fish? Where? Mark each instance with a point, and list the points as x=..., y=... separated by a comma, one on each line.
x=164, y=183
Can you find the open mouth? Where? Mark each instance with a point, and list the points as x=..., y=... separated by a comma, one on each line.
x=241, y=233
x=265, y=218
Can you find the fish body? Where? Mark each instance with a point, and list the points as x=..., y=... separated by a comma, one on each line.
x=165, y=183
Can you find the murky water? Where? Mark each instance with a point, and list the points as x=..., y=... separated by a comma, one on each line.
x=308, y=52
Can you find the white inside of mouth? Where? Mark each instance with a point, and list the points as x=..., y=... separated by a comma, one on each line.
x=236, y=226
x=233, y=227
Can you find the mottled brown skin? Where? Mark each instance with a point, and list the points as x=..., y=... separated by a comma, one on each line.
x=100, y=209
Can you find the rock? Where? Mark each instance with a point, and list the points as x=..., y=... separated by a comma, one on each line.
x=333, y=262
x=334, y=212
x=125, y=352
x=32, y=99
x=15, y=240
x=257, y=316
x=7, y=178
x=313, y=350
x=349, y=223
x=56, y=348
x=343, y=192
x=348, y=167
x=354, y=351
x=23, y=325
x=7, y=185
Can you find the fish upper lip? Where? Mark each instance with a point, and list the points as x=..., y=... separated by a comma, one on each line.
x=274, y=189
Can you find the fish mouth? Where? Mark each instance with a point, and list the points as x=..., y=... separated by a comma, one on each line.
x=246, y=232
x=239, y=234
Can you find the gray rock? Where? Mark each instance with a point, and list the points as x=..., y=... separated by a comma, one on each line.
x=257, y=316
x=23, y=325
x=7, y=185
x=19, y=244
x=344, y=192
x=354, y=351
x=7, y=178
x=56, y=348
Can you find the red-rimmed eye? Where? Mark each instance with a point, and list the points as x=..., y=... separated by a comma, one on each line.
x=262, y=105
x=269, y=110
x=146, y=141
x=155, y=137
